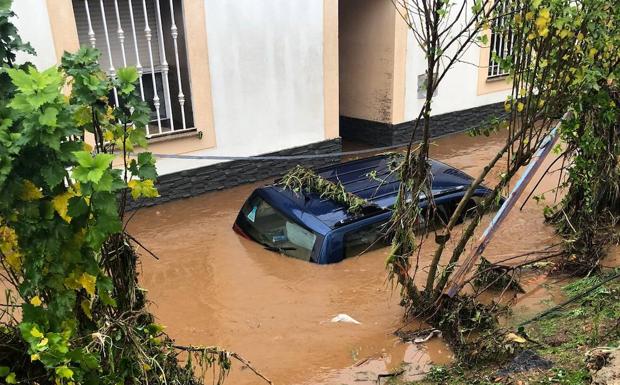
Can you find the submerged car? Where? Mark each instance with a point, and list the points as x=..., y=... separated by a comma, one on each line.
x=305, y=226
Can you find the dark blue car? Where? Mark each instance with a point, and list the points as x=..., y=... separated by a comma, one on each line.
x=305, y=226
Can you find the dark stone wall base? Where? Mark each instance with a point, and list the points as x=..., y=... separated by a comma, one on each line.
x=188, y=183
x=386, y=134
x=366, y=131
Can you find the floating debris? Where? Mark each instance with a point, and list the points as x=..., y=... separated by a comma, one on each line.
x=345, y=318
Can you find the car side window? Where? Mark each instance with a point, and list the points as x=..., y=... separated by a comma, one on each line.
x=367, y=238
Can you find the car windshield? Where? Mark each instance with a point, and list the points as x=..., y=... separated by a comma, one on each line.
x=268, y=226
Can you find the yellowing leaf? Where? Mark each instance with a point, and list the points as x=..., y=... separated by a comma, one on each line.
x=43, y=343
x=64, y=372
x=85, y=305
x=142, y=188
x=10, y=248
x=30, y=191
x=515, y=338
x=108, y=136
x=520, y=106
x=34, y=357
x=155, y=328
x=61, y=204
x=83, y=116
x=88, y=147
x=35, y=301
x=88, y=283
x=109, y=113
x=592, y=52
x=541, y=23
x=72, y=283
x=14, y=260
x=134, y=186
x=35, y=332
x=11, y=378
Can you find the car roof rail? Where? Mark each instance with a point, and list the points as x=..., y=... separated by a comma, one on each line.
x=368, y=211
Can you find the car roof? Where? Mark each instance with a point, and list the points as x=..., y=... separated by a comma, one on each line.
x=373, y=179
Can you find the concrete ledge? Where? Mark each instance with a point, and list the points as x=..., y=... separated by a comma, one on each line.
x=386, y=134
x=188, y=183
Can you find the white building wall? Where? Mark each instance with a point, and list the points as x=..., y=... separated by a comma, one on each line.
x=266, y=65
x=457, y=91
x=33, y=25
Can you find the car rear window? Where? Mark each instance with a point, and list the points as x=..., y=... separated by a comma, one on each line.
x=365, y=239
x=267, y=225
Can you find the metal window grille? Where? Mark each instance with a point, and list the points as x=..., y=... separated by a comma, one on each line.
x=147, y=34
x=501, y=40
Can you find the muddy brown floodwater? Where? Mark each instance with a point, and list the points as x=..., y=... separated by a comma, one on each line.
x=213, y=287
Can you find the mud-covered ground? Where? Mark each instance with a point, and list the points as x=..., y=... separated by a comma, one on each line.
x=578, y=344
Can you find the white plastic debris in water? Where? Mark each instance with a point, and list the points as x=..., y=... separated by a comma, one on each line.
x=345, y=318
x=430, y=335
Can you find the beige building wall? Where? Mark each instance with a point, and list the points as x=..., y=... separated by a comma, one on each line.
x=486, y=85
x=64, y=30
x=400, y=69
x=372, y=60
x=330, y=69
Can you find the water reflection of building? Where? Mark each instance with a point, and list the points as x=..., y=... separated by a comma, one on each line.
x=254, y=77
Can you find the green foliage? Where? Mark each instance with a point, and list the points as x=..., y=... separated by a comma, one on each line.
x=439, y=374
x=60, y=220
x=565, y=377
x=62, y=246
x=58, y=204
x=489, y=127
x=430, y=22
x=565, y=58
x=581, y=285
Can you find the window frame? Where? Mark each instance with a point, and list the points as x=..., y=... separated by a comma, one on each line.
x=501, y=43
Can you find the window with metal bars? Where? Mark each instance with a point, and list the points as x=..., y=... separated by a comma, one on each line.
x=501, y=40
x=149, y=35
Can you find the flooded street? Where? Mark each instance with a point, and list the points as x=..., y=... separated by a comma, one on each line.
x=213, y=287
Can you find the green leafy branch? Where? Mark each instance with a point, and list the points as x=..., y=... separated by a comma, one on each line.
x=301, y=179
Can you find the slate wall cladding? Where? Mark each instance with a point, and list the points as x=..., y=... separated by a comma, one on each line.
x=385, y=134
x=188, y=183
x=366, y=131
